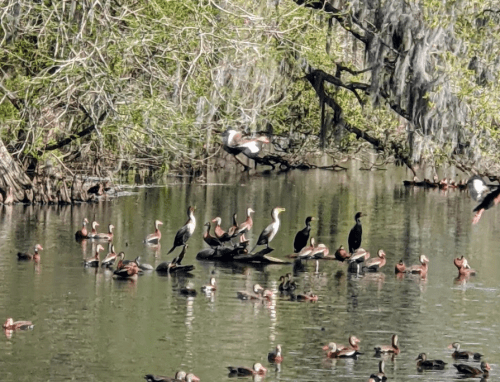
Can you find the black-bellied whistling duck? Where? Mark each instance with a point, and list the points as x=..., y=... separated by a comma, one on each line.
x=380, y=376
x=129, y=271
x=155, y=237
x=93, y=231
x=83, y=233
x=183, y=234
x=190, y=377
x=219, y=232
x=94, y=260
x=209, y=239
x=180, y=376
x=373, y=265
x=392, y=348
x=424, y=363
x=308, y=296
x=358, y=257
x=231, y=231
x=334, y=352
x=10, y=324
x=121, y=257
x=400, y=267
x=105, y=236
x=302, y=236
x=306, y=251
x=29, y=256
x=267, y=235
x=212, y=287
x=341, y=254
x=463, y=267
x=463, y=354
x=356, y=233
x=258, y=293
x=353, y=344
x=110, y=258
x=321, y=251
x=246, y=225
x=240, y=371
x=474, y=371
x=275, y=356
x=422, y=268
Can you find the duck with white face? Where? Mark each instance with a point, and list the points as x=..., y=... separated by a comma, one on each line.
x=155, y=237
x=82, y=233
x=93, y=262
x=421, y=268
x=241, y=371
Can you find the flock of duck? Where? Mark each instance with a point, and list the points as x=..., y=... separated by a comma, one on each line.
x=358, y=259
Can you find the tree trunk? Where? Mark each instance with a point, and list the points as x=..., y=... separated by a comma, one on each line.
x=12, y=175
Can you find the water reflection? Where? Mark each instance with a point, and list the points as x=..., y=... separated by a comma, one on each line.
x=86, y=320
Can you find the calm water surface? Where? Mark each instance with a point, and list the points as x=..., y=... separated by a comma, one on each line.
x=90, y=327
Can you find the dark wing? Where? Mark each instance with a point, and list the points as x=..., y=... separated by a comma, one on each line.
x=301, y=239
x=354, y=238
x=488, y=200
x=466, y=369
x=181, y=236
x=265, y=235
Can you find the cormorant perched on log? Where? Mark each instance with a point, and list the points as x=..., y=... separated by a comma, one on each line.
x=302, y=236
x=482, y=193
x=182, y=235
x=270, y=231
x=356, y=233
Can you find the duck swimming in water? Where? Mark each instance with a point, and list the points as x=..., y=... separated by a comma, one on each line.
x=422, y=268
x=93, y=261
x=10, y=324
x=392, y=348
x=463, y=354
x=275, y=356
x=240, y=371
x=83, y=233
x=104, y=236
x=155, y=237
x=380, y=376
x=474, y=371
x=424, y=363
x=29, y=256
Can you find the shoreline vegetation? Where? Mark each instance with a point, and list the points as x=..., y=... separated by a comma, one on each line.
x=92, y=90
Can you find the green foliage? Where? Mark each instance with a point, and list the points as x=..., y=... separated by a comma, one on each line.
x=164, y=72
